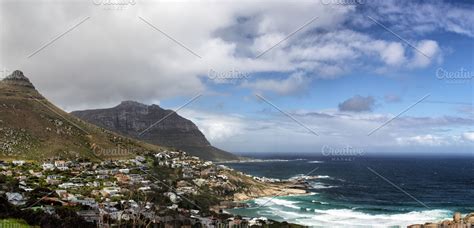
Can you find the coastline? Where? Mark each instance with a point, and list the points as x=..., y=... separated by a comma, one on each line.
x=274, y=190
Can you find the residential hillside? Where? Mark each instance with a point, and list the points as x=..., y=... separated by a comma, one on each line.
x=168, y=128
x=32, y=128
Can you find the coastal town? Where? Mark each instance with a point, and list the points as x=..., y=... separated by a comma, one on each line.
x=166, y=189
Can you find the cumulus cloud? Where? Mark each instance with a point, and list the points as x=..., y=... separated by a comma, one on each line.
x=115, y=56
x=357, y=104
x=216, y=127
x=426, y=52
x=393, y=54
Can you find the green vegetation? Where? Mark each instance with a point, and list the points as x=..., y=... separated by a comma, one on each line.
x=32, y=128
x=15, y=223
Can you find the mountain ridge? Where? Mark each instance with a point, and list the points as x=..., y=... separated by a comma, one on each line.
x=155, y=125
x=33, y=128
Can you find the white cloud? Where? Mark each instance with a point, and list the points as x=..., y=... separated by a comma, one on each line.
x=274, y=132
x=415, y=17
x=468, y=136
x=115, y=56
x=423, y=140
x=393, y=54
x=216, y=127
x=425, y=53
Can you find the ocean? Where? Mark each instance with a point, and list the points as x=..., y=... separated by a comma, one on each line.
x=365, y=192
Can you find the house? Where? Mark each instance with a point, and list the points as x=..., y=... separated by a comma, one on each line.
x=18, y=162
x=63, y=194
x=68, y=185
x=48, y=166
x=15, y=198
x=24, y=187
x=122, y=178
x=223, y=177
x=53, y=179
x=87, y=202
x=110, y=191
x=126, y=171
x=61, y=165
x=208, y=172
x=200, y=182
x=144, y=189
x=92, y=216
x=135, y=178
x=188, y=173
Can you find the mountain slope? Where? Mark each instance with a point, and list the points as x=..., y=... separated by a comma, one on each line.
x=34, y=129
x=132, y=118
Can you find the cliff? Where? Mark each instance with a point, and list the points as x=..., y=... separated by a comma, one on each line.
x=168, y=128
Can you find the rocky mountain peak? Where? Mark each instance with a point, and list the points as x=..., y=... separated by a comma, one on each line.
x=18, y=78
x=132, y=104
x=137, y=106
x=131, y=118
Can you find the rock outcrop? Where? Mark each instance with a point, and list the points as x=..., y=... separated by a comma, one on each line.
x=457, y=222
x=17, y=78
x=155, y=125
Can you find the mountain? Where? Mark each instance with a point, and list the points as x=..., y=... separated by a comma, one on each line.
x=155, y=125
x=32, y=128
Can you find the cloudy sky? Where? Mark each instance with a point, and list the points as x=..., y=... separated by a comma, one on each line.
x=274, y=76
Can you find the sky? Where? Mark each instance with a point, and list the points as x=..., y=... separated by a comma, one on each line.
x=262, y=76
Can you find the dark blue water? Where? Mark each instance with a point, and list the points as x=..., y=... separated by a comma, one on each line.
x=392, y=191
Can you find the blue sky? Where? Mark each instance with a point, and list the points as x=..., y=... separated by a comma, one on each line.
x=340, y=68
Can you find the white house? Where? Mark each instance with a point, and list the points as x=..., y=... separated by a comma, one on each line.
x=48, y=166
x=18, y=162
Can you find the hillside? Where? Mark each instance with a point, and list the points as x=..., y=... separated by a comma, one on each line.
x=131, y=118
x=32, y=128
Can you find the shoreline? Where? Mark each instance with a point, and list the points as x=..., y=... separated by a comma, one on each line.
x=274, y=191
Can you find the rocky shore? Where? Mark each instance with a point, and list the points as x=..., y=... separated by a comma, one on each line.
x=273, y=190
x=457, y=222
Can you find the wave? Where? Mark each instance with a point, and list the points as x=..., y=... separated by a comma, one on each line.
x=351, y=218
x=318, y=185
x=315, y=162
x=290, y=211
x=261, y=160
x=319, y=202
x=348, y=217
x=306, y=177
x=268, y=201
x=324, y=177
